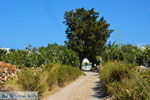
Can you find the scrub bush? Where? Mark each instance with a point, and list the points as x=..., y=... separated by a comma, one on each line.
x=60, y=74
x=31, y=80
x=125, y=81
x=114, y=72
x=43, y=79
x=34, y=57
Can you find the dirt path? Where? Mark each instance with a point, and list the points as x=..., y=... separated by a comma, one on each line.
x=85, y=88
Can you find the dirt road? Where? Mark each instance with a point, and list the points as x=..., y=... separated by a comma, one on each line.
x=85, y=88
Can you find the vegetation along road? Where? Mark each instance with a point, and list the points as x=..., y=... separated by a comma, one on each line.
x=85, y=88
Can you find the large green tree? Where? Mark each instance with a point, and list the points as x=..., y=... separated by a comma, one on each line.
x=86, y=33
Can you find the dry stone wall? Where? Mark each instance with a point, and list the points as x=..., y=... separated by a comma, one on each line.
x=7, y=71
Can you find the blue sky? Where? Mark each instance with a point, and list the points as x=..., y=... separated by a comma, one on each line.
x=39, y=22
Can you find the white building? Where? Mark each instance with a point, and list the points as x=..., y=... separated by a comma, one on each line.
x=6, y=49
x=86, y=65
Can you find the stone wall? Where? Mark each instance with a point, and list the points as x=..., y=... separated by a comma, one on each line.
x=7, y=71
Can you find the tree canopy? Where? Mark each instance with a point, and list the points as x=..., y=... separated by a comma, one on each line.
x=86, y=33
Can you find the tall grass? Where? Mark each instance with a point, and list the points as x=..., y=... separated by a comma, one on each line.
x=125, y=81
x=67, y=74
x=44, y=79
x=31, y=80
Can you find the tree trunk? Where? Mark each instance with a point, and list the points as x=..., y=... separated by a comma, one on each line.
x=81, y=64
x=93, y=64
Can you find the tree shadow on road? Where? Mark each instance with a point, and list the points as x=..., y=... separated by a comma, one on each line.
x=99, y=93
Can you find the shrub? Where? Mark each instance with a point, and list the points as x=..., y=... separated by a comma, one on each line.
x=127, y=52
x=23, y=58
x=51, y=71
x=34, y=57
x=44, y=78
x=125, y=82
x=54, y=53
x=130, y=89
x=31, y=80
x=114, y=72
x=2, y=53
x=61, y=74
x=146, y=56
x=146, y=75
x=58, y=74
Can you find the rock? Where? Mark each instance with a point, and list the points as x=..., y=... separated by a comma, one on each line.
x=7, y=71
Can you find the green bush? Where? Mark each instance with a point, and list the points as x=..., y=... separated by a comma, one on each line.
x=31, y=80
x=146, y=56
x=2, y=53
x=51, y=71
x=61, y=74
x=146, y=75
x=66, y=74
x=43, y=79
x=34, y=57
x=58, y=74
x=23, y=58
x=125, y=82
x=114, y=72
x=127, y=52
x=130, y=89
x=54, y=53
